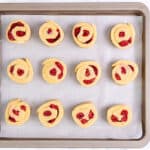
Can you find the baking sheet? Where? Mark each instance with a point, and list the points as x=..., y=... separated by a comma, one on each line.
x=104, y=94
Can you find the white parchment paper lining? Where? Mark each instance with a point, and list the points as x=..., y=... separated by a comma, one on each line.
x=104, y=94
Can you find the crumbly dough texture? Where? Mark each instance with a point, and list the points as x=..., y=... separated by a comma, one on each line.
x=18, y=110
x=55, y=113
x=84, y=108
x=19, y=39
x=49, y=30
x=80, y=71
x=129, y=31
x=116, y=110
x=126, y=70
x=88, y=40
x=50, y=64
x=23, y=64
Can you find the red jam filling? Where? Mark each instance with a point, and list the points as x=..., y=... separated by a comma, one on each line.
x=132, y=68
x=87, y=73
x=80, y=115
x=90, y=81
x=55, y=39
x=61, y=68
x=47, y=113
x=123, y=70
x=12, y=119
x=16, y=112
x=91, y=114
x=121, y=34
x=53, y=106
x=49, y=31
x=20, y=72
x=124, y=118
x=52, y=120
x=89, y=40
x=117, y=76
x=20, y=33
x=125, y=42
x=95, y=69
x=23, y=107
x=11, y=69
x=77, y=31
x=124, y=114
x=53, y=72
x=86, y=32
x=84, y=121
x=10, y=35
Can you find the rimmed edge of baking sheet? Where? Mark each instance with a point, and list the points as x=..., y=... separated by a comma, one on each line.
x=132, y=8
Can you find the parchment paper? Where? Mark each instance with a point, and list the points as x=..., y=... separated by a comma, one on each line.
x=104, y=94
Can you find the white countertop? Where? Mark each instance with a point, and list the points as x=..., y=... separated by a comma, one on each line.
x=147, y=2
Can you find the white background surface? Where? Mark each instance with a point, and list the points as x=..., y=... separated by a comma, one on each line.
x=145, y=1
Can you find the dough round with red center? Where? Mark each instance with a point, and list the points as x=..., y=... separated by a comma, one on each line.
x=124, y=71
x=88, y=73
x=18, y=32
x=50, y=113
x=20, y=71
x=54, y=70
x=123, y=35
x=84, y=114
x=84, y=34
x=17, y=112
x=51, y=33
x=119, y=115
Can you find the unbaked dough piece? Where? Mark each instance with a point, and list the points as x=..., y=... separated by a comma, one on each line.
x=119, y=115
x=53, y=70
x=123, y=35
x=124, y=71
x=18, y=32
x=20, y=71
x=17, y=112
x=50, y=113
x=51, y=33
x=88, y=73
x=84, y=34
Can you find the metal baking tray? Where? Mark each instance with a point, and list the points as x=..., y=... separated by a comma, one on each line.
x=136, y=9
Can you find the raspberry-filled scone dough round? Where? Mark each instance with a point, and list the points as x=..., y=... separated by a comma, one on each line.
x=51, y=33
x=50, y=113
x=88, y=73
x=119, y=115
x=124, y=71
x=20, y=71
x=84, y=34
x=84, y=114
x=18, y=32
x=54, y=70
x=17, y=112
x=123, y=35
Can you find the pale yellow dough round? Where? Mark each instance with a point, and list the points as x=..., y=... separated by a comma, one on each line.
x=17, y=112
x=52, y=72
x=84, y=34
x=23, y=28
x=51, y=33
x=20, y=71
x=124, y=71
x=123, y=35
x=123, y=114
x=50, y=113
x=84, y=114
x=88, y=73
